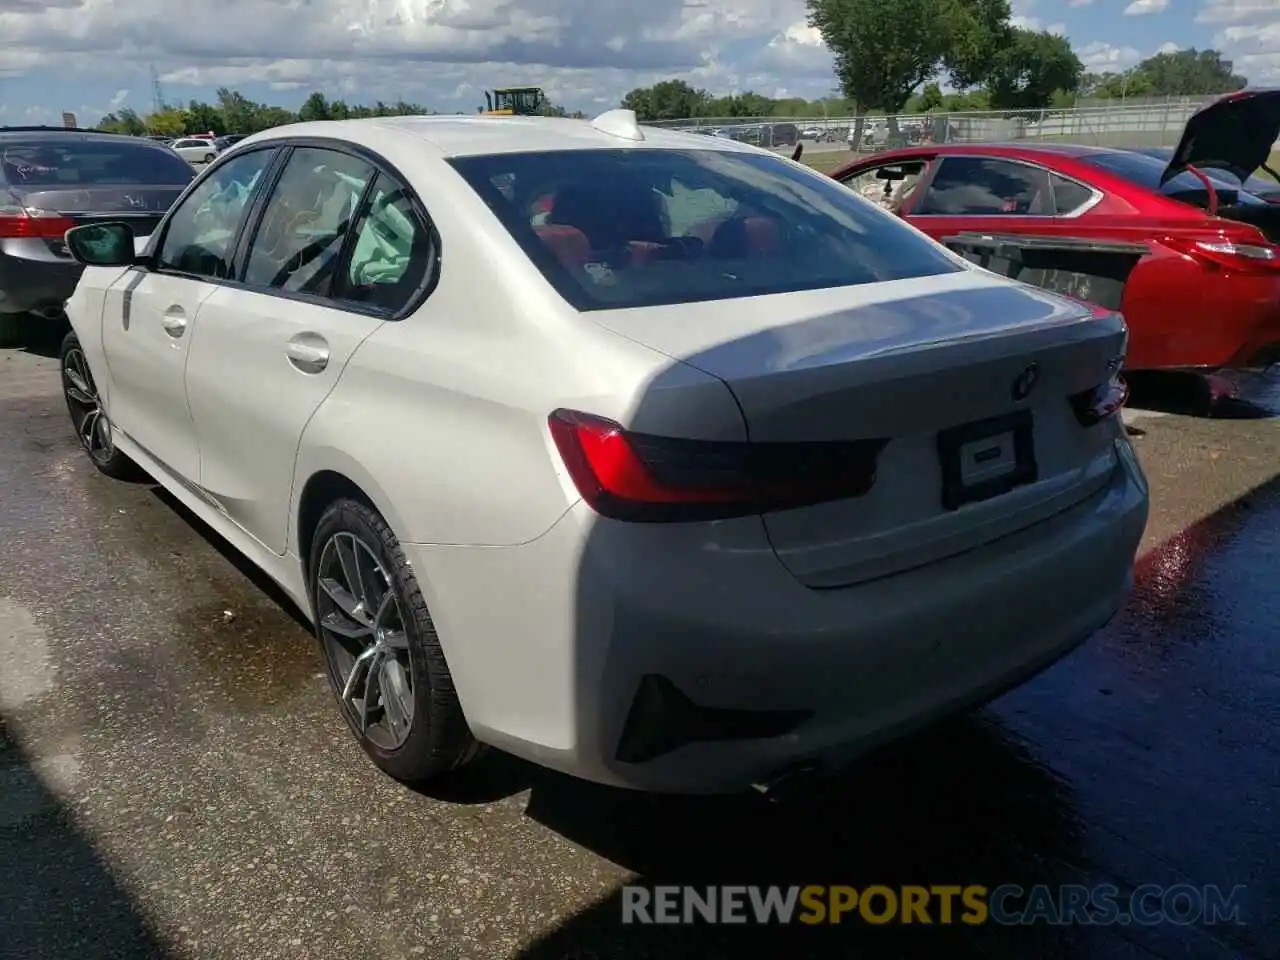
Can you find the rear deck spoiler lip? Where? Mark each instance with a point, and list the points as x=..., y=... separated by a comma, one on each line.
x=1001, y=242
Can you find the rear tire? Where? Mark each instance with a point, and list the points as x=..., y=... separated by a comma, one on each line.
x=88, y=416
x=208, y=158
x=13, y=329
x=381, y=651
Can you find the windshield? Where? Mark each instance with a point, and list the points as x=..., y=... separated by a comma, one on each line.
x=630, y=228
x=53, y=163
x=1146, y=171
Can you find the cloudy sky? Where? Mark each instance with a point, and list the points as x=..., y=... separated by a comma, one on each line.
x=92, y=56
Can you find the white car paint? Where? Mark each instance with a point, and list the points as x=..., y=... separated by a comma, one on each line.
x=194, y=149
x=549, y=614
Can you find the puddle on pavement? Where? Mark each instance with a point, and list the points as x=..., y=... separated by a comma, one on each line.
x=251, y=657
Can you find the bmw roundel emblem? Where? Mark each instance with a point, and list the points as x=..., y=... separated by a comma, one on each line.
x=1025, y=382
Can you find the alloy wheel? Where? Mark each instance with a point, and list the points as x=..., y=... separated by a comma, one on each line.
x=90, y=422
x=363, y=631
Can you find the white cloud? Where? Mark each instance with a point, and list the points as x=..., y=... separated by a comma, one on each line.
x=1099, y=57
x=1058, y=29
x=1079, y=3
x=1168, y=47
x=1236, y=11
x=1250, y=37
x=1141, y=8
x=438, y=52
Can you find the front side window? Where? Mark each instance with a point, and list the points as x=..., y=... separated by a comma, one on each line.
x=986, y=186
x=627, y=228
x=305, y=220
x=393, y=253
x=57, y=161
x=201, y=229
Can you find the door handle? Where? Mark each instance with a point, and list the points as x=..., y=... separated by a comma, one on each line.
x=308, y=352
x=174, y=321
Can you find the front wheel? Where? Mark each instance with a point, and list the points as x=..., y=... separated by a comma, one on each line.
x=208, y=158
x=384, y=658
x=87, y=414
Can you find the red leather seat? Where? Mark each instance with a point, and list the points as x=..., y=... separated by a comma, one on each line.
x=569, y=244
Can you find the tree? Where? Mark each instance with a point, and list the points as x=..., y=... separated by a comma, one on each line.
x=885, y=51
x=125, y=120
x=1030, y=69
x=668, y=100
x=203, y=118
x=1189, y=73
x=315, y=107
x=169, y=122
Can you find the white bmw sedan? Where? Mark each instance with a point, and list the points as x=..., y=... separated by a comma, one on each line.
x=656, y=459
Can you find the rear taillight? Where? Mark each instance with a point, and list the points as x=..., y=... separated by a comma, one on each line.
x=1250, y=257
x=644, y=478
x=1093, y=406
x=23, y=224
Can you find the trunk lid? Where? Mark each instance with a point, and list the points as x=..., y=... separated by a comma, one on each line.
x=1235, y=133
x=142, y=206
x=968, y=377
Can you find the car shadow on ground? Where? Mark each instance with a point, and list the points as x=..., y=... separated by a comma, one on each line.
x=1254, y=395
x=43, y=338
x=58, y=898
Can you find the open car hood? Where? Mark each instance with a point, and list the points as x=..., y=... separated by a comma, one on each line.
x=1235, y=134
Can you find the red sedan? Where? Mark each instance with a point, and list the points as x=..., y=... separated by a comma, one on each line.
x=1190, y=257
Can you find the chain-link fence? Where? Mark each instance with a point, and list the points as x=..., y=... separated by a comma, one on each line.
x=1141, y=123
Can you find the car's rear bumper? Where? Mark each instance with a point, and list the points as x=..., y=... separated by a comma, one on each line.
x=32, y=279
x=598, y=639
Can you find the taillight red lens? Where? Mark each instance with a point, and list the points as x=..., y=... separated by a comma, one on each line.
x=645, y=478
x=1091, y=407
x=23, y=226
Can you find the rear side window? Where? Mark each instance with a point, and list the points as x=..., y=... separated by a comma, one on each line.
x=629, y=228
x=53, y=162
x=305, y=220
x=1068, y=196
x=984, y=186
x=393, y=255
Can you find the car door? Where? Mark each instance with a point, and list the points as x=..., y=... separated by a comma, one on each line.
x=988, y=194
x=337, y=252
x=149, y=313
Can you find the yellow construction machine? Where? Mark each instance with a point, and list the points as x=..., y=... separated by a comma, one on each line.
x=514, y=101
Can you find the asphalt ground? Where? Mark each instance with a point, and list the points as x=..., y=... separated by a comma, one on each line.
x=175, y=780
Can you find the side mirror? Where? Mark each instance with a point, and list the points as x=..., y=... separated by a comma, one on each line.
x=102, y=244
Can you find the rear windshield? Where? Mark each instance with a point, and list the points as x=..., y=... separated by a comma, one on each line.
x=1146, y=171
x=52, y=162
x=629, y=228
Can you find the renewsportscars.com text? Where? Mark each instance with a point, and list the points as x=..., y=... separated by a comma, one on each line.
x=972, y=904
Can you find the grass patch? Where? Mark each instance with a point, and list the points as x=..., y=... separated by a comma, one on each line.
x=828, y=160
